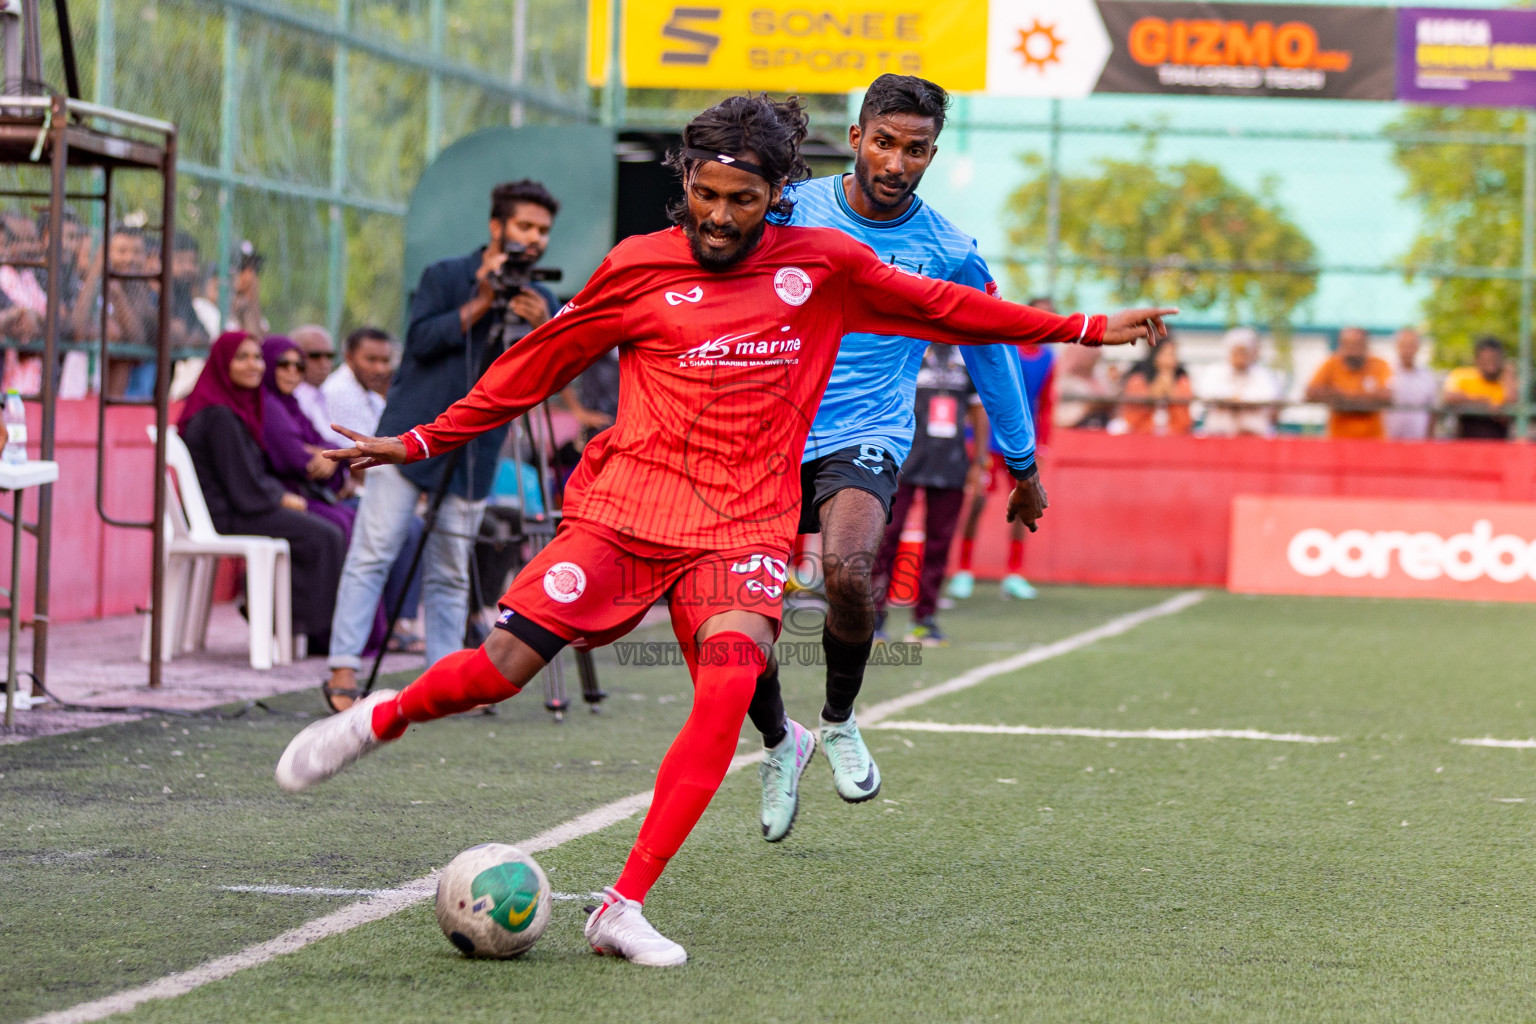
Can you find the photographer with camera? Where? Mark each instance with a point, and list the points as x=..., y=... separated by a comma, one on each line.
x=463, y=314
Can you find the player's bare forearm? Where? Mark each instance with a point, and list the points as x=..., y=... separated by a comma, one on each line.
x=366, y=451
x=1027, y=503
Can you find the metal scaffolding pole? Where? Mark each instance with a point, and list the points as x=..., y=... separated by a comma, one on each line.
x=49, y=395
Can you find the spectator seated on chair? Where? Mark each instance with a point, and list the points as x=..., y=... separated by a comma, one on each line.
x=292, y=443
x=354, y=393
x=222, y=425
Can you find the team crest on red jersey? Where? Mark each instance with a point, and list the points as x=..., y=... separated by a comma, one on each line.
x=565, y=582
x=793, y=285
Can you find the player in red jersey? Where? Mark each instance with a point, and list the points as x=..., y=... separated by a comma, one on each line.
x=727, y=329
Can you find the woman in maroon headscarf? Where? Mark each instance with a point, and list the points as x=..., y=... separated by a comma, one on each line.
x=292, y=443
x=222, y=425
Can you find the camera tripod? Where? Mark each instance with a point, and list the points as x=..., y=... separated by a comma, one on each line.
x=534, y=532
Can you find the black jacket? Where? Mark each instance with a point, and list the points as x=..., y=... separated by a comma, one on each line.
x=230, y=469
x=438, y=368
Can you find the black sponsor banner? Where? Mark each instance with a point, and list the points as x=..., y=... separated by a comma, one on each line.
x=1214, y=49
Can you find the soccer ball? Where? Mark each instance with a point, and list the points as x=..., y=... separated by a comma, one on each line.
x=493, y=901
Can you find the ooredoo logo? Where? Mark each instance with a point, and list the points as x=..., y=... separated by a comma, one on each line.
x=565, y=582
x=793, y=285
x=1463, y=557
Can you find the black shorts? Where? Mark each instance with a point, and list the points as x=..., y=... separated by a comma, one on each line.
x=865, y=467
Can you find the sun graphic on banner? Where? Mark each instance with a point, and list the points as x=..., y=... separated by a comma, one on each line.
x=1038, y=45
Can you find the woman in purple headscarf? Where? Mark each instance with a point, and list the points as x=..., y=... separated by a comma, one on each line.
x=293, y=444
x=222, y=424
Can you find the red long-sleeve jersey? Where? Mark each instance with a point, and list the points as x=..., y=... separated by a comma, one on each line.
x=721, y=374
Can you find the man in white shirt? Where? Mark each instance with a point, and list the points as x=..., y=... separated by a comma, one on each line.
x=1232, y=390
x=319, y=355
x=354, y=394
x=1414, y=391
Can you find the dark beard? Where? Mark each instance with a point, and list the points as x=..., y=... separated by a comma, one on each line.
x=867, y=186
x=713, y=261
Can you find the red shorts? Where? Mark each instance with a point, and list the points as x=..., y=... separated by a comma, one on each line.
x=593, y=584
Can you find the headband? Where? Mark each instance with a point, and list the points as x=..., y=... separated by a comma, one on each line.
x=729, y=161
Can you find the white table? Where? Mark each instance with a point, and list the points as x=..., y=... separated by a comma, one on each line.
x=17, y=479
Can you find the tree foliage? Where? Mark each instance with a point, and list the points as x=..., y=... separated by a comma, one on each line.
x=1179, y=234
x=1469, y=200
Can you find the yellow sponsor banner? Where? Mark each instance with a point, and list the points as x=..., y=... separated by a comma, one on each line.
x=599, y=44
x=810, y=46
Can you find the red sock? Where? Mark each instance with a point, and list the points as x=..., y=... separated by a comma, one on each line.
x=966, y=544
x=458, y=682
x=1015, y=555
x=697, y=760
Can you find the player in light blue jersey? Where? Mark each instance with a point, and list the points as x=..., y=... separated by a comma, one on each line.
x=863, y=430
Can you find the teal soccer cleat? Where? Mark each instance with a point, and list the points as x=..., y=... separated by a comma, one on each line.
x=780, y=773
x=961, y=585
x=1016, y=587
x=854, y=772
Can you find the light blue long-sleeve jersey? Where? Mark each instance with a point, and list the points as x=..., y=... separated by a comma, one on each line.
x=874, y=382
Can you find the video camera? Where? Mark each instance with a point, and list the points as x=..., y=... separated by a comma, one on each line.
x=518, y=272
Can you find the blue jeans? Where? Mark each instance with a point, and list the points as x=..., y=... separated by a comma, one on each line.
x=379, y=535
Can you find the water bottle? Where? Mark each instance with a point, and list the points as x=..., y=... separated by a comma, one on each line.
x=15, y=451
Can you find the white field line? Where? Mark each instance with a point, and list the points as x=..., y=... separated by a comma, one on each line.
x=390, y=901
x=1489, y=741
x=1045, y=652
x=1111, y=734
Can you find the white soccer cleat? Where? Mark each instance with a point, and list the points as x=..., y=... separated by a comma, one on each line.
x=325, y=747
x=620, y=929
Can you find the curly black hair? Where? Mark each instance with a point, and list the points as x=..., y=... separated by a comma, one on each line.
x=771, y=131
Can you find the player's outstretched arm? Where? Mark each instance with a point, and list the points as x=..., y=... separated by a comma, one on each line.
x=879, y=299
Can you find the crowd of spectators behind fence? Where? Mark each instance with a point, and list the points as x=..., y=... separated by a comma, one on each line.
x=1366, y=396
x=127, y=311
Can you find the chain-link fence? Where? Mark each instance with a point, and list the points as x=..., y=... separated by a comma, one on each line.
x=304, y=124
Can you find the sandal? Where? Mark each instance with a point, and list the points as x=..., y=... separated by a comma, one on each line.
x=406, y=643
x=351, y=693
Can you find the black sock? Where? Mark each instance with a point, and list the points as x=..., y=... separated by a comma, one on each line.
x=767, y=707
x=845, y=674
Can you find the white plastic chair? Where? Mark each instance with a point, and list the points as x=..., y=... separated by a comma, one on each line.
x=193, y=548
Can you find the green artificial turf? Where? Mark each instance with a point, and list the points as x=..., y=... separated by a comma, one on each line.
x=1384, y=877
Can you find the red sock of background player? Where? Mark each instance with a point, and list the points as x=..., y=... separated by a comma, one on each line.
x=966, y=544
x=456, y=683
x=1015, y=555
x=697, y=760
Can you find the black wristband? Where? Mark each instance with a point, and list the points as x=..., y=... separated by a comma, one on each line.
x=1026, y=475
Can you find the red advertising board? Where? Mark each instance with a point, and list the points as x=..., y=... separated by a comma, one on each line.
x=1383, y=547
